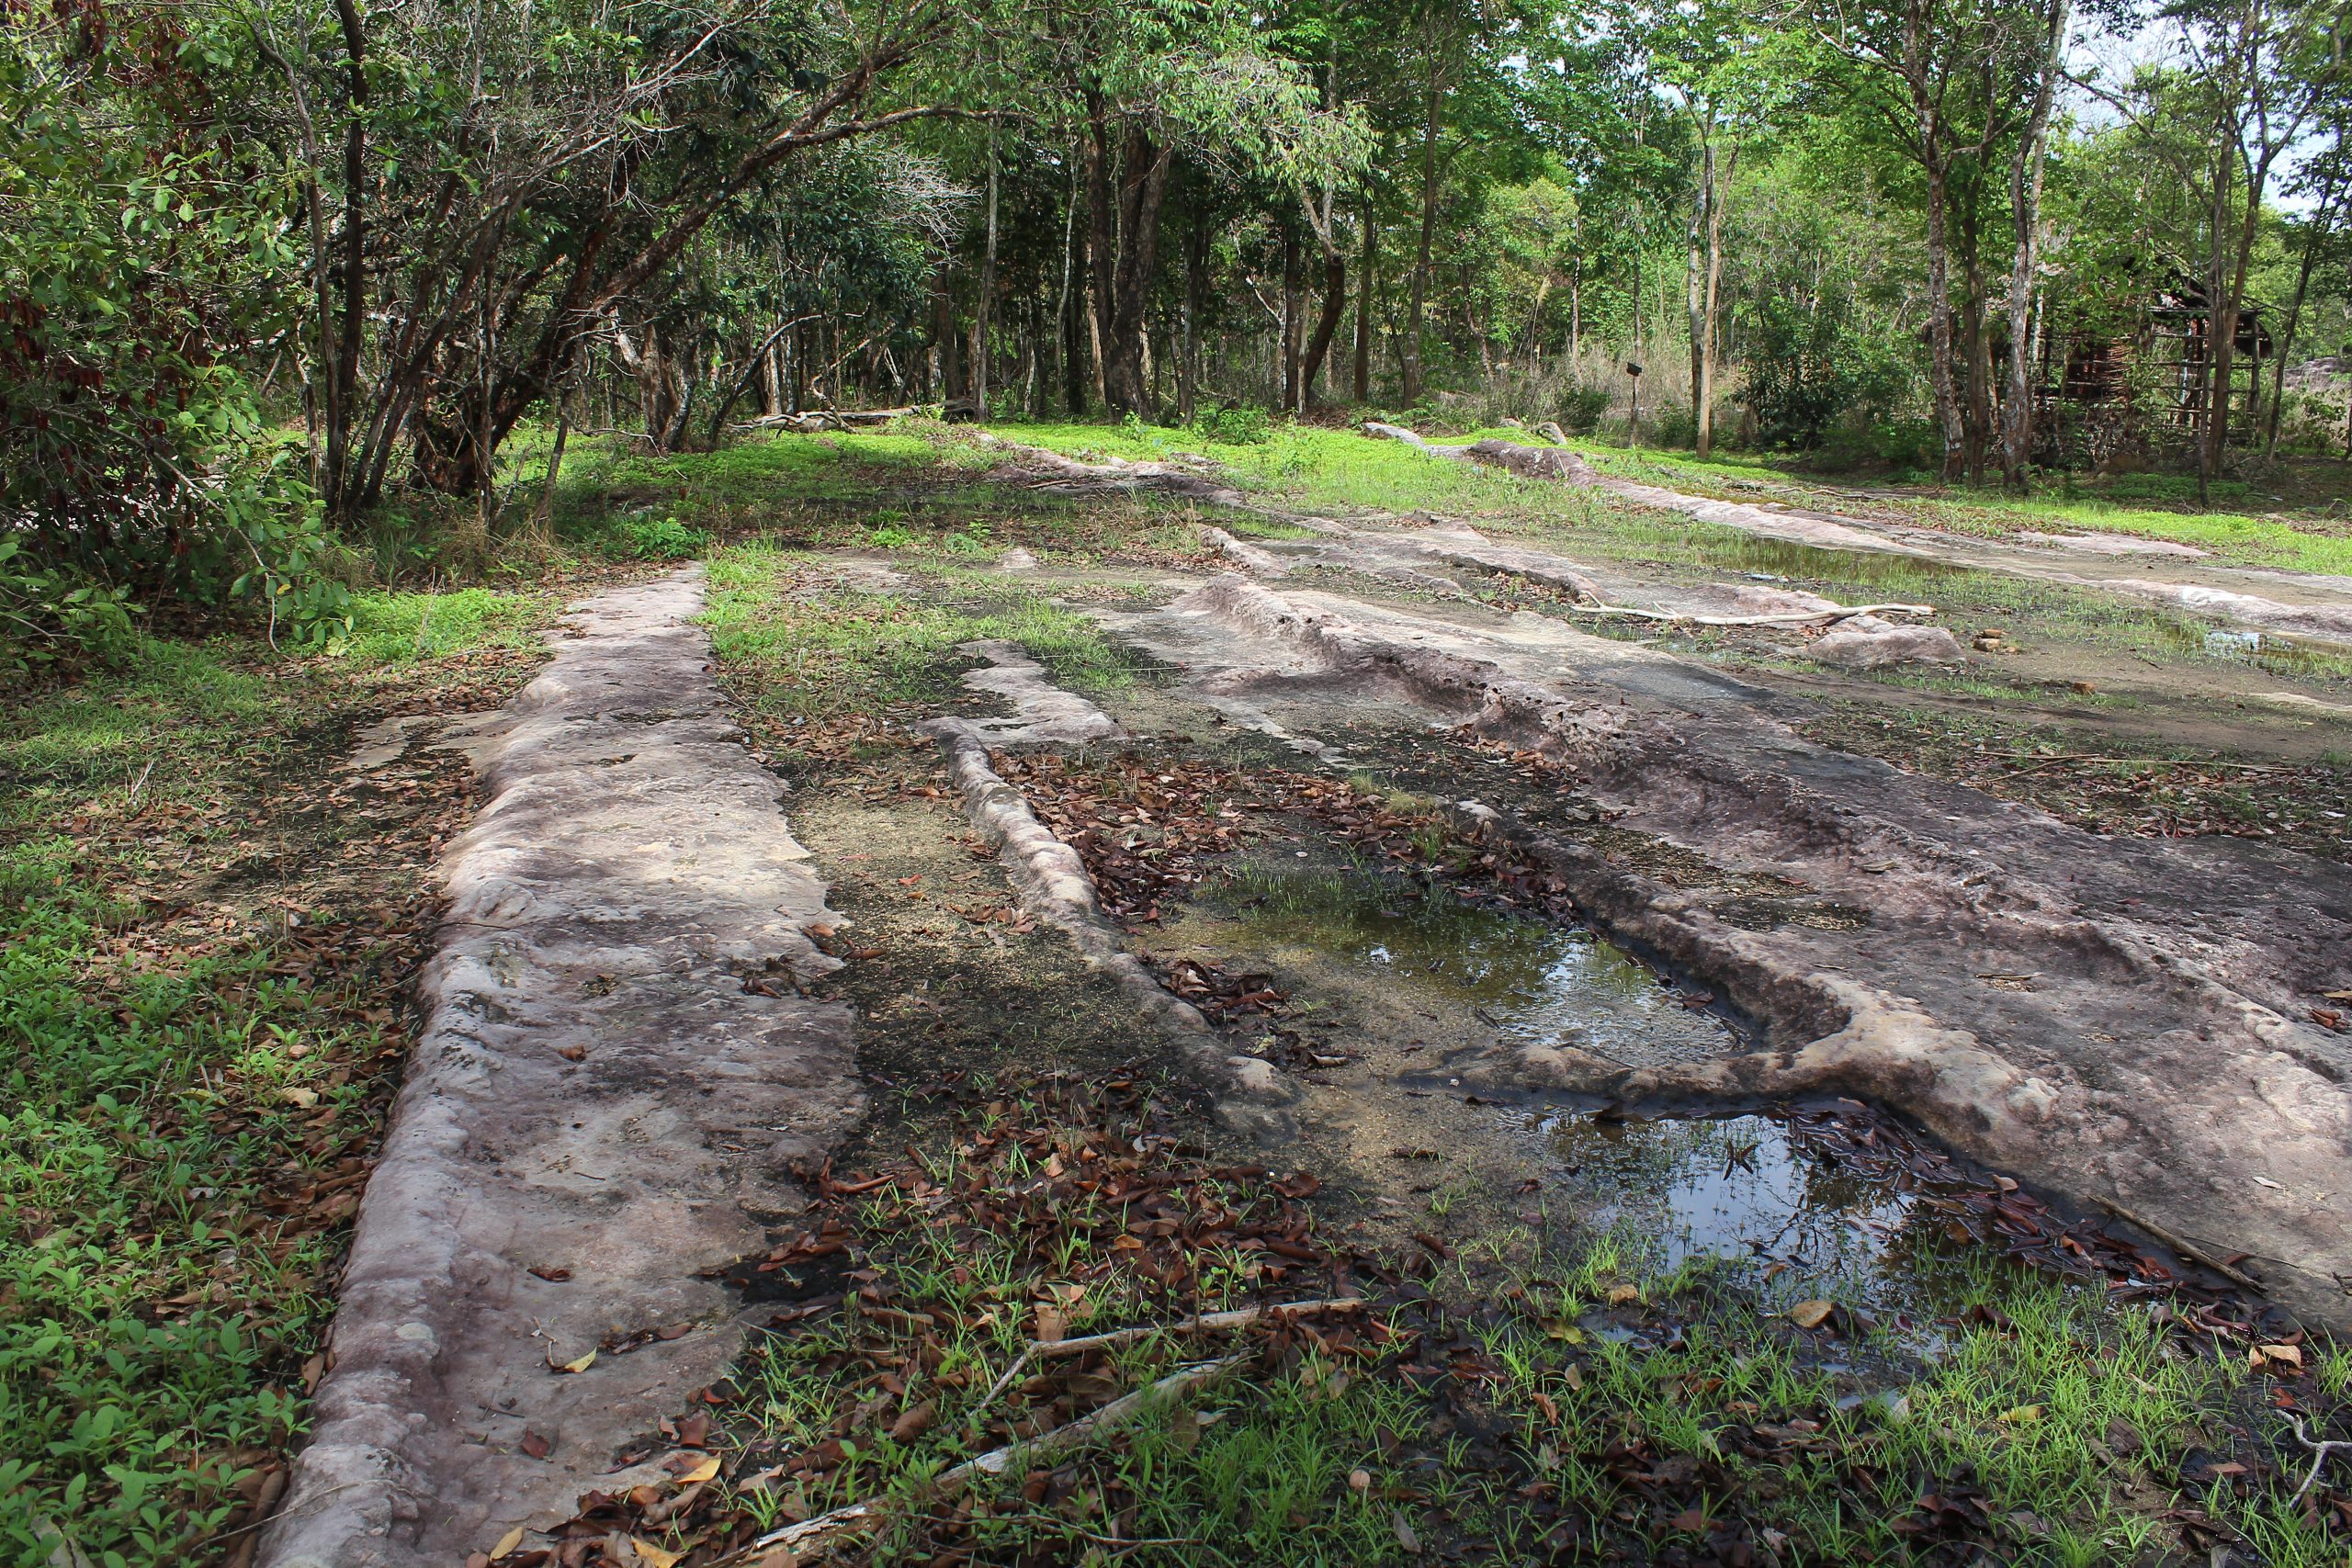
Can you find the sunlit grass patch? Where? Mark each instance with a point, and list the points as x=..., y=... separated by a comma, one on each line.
x=400, y=628
x=171, y=706
x=813, y=645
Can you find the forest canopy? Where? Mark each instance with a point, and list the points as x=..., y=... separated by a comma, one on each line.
x=269, y=268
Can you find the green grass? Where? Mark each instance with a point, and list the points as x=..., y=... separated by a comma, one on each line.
x=1227, y=1470
x=814, y=647
x=196, y=1052
x=150, y=1305
x=172, y=706
x=2233, y=535
x=391, y=629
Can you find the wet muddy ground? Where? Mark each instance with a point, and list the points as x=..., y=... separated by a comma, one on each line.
x=1779, y=1329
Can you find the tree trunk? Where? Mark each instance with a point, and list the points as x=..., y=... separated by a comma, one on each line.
x=344, y=401
x=1939, y=377
x=1705, y=399
x=2321, y=222
x=1364, y=307
x=2221, y=327
x=987, y=295
x=1416, y=308
x=1196, y=289
x=1293, y=321
x=1974, y=340
x=1694, y=273
x=2026, y=172
x=1123, y=244
x=1327, y=326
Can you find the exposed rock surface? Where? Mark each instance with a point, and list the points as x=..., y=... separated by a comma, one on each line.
x=1051, y=880
x=1867, y=642
x=2123, y=1022
x=2299, y=604
x=597, y=1110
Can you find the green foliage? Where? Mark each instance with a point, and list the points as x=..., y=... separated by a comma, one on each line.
x=137, y=260
x=1581, y=408
x=113, y=1184
x=48, y=617
x=658, y=538
x=1242, y=424
x=1814, y=368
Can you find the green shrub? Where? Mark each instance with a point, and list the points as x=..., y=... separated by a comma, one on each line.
x=1581, y=409
x=48, y=617
x=1240, y=426
x=660, y=538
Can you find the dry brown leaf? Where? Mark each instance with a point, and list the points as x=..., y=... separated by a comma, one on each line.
x=507, y=1543
x=700, y=1473
x=653, y=1556
x=1811, y=1314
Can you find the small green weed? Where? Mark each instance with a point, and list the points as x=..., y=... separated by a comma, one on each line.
x=658, y=538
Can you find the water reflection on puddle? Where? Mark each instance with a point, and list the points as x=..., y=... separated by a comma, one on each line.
x=1800, y=1204
x=1742, y=1190
x=1528, y=979
x=2265, y=650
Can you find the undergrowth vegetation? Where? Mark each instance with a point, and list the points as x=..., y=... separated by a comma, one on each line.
x=1490, y=1395
x=823, y=645
x=203, y=930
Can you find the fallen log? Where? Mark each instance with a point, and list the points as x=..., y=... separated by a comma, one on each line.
x=814, y=421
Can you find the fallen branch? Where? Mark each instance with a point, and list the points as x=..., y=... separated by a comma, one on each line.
x=2320, y=1452
x=2185, y=1248
x=1211, y=1323
x=1239, y=1317
x=1787, y=618
x=864, y=1516
x=824, y=419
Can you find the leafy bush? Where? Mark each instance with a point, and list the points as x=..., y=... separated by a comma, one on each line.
x=139, y=255
x=1581, y=410
x=1674, y=426
x=890, y=536
x=1811, y=371
x=1240, y=426
x=48, y=616
x=660, y=538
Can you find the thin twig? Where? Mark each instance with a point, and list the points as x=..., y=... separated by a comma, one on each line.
x=1209, y=1323
x=2185, y=1248
x=2320, y=1452
x=864, y=1516
x=1011, y=1373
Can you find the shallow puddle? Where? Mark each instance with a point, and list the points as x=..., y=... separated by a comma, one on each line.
x=1748, y=1192
x=1828, y=1202
x=1527, y=979
x=2264, y=650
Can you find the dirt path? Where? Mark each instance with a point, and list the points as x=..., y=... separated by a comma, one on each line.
x=617, y=1082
